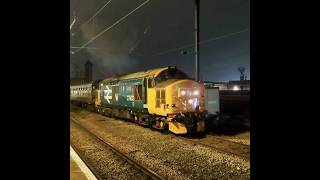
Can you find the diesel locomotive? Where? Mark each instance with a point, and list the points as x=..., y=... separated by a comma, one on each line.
x=163, y=98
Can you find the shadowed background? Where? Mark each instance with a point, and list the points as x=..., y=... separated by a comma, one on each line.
x=160, y=34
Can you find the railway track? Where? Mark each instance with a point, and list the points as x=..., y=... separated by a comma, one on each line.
x=94, y=172
x=148, y=172
x=243, y=156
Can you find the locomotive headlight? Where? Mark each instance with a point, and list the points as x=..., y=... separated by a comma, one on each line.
x=235, y=88
x=196, y=92
x=183, y=93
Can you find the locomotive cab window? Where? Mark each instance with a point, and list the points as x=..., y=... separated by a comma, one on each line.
x=171, y=73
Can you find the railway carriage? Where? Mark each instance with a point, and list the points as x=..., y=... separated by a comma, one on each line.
x=84, y=94
x=163, y=98
x=81, y=93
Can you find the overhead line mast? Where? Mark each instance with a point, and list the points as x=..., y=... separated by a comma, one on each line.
x=196, y=47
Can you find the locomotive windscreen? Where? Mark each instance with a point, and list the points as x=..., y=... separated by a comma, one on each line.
x=171, y=73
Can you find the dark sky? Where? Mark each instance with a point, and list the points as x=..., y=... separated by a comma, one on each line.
x=141, y=41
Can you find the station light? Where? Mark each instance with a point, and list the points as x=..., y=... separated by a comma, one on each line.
x=196, y=92
x=183, y=92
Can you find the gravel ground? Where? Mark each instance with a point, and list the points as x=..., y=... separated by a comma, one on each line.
x=225, y=144
x=242, y=141
x=105, y=162
x=171, y=157
x=242, y=137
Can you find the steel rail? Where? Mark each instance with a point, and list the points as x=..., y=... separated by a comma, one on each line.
x=145, y=170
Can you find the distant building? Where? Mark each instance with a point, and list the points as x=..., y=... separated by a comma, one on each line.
x=220, y=85
x=238, y=85
x=231, y=85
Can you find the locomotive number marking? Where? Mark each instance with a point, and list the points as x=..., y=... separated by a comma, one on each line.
x=130, y=98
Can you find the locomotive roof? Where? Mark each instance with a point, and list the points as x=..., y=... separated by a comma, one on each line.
x=141, y=74
x=82, y=85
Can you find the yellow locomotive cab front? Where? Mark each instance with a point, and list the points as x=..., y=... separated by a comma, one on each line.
x=182, y=102
x=186, y=100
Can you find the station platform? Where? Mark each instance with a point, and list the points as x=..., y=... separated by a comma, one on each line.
x=78, y=169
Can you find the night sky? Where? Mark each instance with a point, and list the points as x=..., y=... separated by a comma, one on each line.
x=151, y=36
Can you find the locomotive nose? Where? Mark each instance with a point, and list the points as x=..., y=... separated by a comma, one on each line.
x=189, y=96
x=186, y=112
